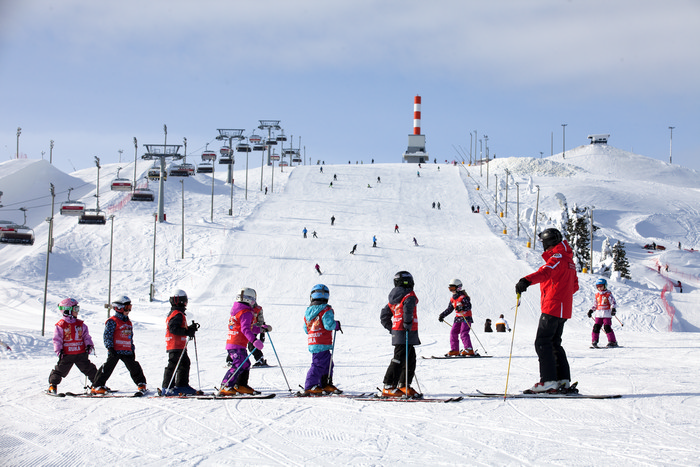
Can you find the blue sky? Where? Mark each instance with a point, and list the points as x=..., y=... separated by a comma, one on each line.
x=342, y=75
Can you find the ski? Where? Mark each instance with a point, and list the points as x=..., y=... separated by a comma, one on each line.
x=331, y=395
x=55, y=394
x=445, y=357
x=235, y=396
x=605, y=347
x=110, y=394
x=376, y=397
x=544, y=395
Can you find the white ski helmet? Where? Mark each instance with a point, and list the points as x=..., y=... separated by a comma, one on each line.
x=456, y=283
x=247, y=295
x=121, y=302
x=178, y=297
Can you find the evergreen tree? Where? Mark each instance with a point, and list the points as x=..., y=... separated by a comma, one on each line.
x=578, y=234
x=620, y=262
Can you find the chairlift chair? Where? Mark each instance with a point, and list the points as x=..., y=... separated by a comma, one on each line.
x=143, y=194
x=121, y=184
x=15, y=233
x=178, y=170
x=243, y=147
x=206, y=167
x=210, y=155
x=72, y=208
x=93, y=216
x=281, y=137
x=271, y=141
x=154, y=173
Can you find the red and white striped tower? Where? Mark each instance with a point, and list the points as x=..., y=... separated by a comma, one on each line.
x=416, y=115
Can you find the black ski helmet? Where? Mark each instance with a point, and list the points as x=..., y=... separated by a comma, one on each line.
x=550, y=237
x=178, y=298
x=403, y=279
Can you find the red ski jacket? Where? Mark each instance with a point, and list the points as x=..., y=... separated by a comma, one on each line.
x=558, y=281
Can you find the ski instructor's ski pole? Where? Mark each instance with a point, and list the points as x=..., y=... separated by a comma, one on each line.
x=512, y=339
x=196, y=358
x=278, y=362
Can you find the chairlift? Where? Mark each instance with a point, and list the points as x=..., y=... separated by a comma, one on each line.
x=143, y=194
x=254, y=138
x=259, y=146
x=121, y=184
x=243, y=147
x=274, y=157
x=154, y=173
x=281, y=137
x=210, y=155
x=15, y=233
x=178, y=170
x=93, y=216
x=271, y=141
x=206, y=167
x=296, y=158
x=72, y=208
x=283, y=164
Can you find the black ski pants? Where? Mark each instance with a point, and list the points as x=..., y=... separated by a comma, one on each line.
x=130, y=362
x=182, y=375
x=553, y=363
x=396, y=372
x=66, y=362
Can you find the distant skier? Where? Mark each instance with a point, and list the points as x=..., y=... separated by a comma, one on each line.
x=119, y=341
x=487, y=326
x=433, y=204
x=331, y=185
x=265, y=190
x=473, y=208
x=318, y=269
x=321, y=169
x=478, y=209
x=332, y=220
x=680, y=287
x=418, y=173
x=438, y=205
x=379, y=179
x=72, y=344
x=314, y=234
x=354, y=247
x=415, y=242
x=502, y=324
x=396, y=228
x=462, y=306
x=604, y=309
x=374, y=241
x=320, y=326
x=335, y=177
x=304, y=232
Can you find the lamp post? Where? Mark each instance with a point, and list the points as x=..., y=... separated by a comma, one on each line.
x=109, y=286
x=136, y=149
x=153, y=269
x=670, y=149
x=507, y=180
x=495, y=204
x=48, y=254
x=182, y=182
x=517, y=205
x=470, y=148
x=563, y=143
x=19, y=132
x=51, y=152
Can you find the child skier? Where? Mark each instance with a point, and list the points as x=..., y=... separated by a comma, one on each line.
x=176, y=377
x=119, y=341
x=461, y=304
x=604, y=309
x=241, y=331
x=319, y=321
x=400, y=317
x=72, y=344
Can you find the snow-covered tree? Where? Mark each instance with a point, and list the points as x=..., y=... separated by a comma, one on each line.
x=605, y=250
x=578, y=234
x=620, y=262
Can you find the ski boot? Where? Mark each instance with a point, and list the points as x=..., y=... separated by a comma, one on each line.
x=468, y=352
x=391, y=391
x=245, y=389
x=452, y=353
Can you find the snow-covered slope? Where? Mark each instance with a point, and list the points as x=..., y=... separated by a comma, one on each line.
x=261, y=246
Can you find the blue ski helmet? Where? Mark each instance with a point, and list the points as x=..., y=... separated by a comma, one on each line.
x=320, y=292
x=602, y=282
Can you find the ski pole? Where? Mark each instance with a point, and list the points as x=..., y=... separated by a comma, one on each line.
x=618, y=320
x=406, y=365
x=237, y=369
x=512, y=339
x=196, y=358
x=477, y=337
x=278, y=362
x=330, y=366
x=170, y=384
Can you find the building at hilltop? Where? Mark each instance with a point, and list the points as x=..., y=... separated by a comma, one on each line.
x=415, y=153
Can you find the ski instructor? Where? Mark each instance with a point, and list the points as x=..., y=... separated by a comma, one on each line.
x=558, y=284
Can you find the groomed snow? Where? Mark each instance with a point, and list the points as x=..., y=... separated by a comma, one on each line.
x=637, y=200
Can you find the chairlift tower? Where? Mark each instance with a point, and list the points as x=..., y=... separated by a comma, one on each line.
x=268, y=125
x=230, y=135
x=162, y=152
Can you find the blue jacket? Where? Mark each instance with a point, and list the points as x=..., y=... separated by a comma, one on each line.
x=328, y=322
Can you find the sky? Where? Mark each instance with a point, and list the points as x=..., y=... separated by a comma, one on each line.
x=341, y=76
x=637, y=200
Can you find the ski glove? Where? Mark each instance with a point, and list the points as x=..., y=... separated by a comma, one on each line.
x=522, y=285
x=590, y=313
x=191, y=329
x=89, y=349
x=258, y=344
x=266, y=327
x=337, y=327
x=614, y=311
x=441, y=318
